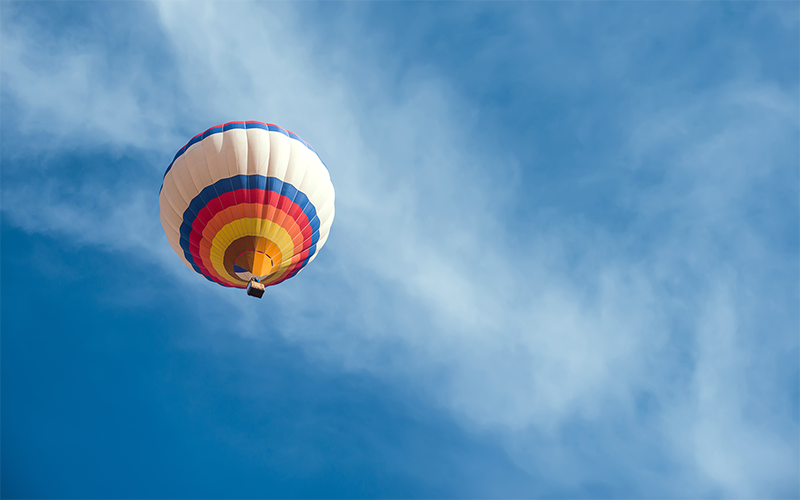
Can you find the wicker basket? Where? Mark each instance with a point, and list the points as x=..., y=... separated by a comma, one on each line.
x=255, y=289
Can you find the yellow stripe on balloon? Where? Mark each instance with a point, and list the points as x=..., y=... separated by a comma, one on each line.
x=222, y=240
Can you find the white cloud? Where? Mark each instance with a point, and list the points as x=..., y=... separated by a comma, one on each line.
x=67, y=97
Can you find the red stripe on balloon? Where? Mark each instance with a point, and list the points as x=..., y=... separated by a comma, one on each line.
x=228, y=200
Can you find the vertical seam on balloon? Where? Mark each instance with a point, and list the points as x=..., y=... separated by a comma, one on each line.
x=237, y=216
x=248, y=194
x=271, y=223
x=186, y=248
x=261, y=215
x=257, y=224
x=213, y=182
x=297, y=191
x=326, y=181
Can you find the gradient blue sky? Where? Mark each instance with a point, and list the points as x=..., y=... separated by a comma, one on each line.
x=564, y=262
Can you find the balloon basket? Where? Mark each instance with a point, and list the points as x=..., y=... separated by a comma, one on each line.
x=255, y=289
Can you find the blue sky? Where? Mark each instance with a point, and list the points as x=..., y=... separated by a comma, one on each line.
x=564, y=262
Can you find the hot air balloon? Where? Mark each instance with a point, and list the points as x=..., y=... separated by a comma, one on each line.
x=247, y=205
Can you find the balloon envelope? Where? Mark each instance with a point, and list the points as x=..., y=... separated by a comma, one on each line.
x=247, y=199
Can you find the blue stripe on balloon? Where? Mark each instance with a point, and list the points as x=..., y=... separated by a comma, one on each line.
x=260, y=125
x=233, y=125
x=209, y=193
x=212, y=131
x=275, y=128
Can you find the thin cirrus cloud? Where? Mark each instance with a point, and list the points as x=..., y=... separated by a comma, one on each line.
x=659, y=349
